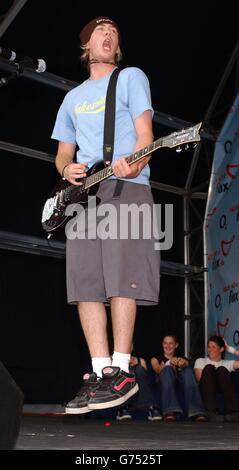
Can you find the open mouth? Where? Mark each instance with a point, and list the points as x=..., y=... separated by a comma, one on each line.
x=107, y=45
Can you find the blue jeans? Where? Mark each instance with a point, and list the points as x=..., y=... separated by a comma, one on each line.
x=145, y=396
x=171, y=382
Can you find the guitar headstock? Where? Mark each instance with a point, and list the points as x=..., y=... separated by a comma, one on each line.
x=185, y=136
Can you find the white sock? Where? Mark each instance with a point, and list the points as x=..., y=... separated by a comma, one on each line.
x=98, y=363
x=121, y=360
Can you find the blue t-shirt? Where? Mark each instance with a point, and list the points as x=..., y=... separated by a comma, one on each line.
x=80, y=119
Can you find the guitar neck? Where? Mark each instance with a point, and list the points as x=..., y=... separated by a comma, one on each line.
x=134, y=157
x=185, y=136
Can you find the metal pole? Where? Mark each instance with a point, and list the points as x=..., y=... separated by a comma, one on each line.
x=186, y=280
x=11, y=15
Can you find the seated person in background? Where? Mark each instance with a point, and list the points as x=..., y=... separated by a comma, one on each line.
x=144, y=398
x=173, y=373
x=214, y=375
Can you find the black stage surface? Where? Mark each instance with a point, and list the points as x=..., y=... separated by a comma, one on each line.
x=53, y=438
x=61, y=432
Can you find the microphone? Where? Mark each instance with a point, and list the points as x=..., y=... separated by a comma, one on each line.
x=39, y=65
x=7, y=54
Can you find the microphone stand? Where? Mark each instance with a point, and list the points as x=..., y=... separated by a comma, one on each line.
x=5, y=80
x=18, y=72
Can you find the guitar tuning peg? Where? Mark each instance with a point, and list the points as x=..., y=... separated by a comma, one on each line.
x=178, y=149
x=186, y=147
x=194, y=145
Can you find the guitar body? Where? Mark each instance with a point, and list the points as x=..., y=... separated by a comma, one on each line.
x=65, y=193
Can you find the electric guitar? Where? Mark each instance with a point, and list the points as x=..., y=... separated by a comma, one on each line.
x=65, y=193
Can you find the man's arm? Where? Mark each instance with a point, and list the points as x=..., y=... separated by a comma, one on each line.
x=64, y=162
x=143, y=127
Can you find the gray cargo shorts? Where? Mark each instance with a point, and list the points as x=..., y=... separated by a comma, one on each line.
x=115, y=262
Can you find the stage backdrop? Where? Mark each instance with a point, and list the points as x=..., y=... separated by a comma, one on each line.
x=221, y=232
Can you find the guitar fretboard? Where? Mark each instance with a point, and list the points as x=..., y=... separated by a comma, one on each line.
x=175, y=139
x=108, y=171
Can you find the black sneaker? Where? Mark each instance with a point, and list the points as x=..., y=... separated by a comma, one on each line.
x=116, y=388
x=79, y=404
x=153, y=414
x=123, y=413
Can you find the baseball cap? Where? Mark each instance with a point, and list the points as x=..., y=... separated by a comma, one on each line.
x=88, y=29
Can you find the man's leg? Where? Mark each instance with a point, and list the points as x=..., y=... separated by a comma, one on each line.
x=118, y=385
x=123, y=313
x=94, y=324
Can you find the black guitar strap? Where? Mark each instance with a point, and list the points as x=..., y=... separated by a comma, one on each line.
x=109, y=127
x=109, y=124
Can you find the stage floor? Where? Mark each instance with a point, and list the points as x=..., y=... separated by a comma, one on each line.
x=61, y=432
